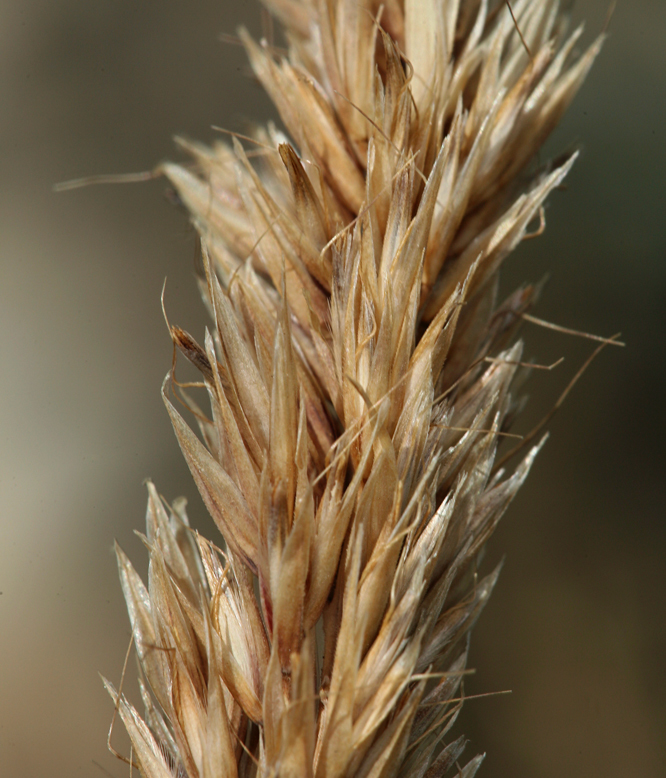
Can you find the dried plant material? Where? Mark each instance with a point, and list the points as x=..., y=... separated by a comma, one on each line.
x=361, y=375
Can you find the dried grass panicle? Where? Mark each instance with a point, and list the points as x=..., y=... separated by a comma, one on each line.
x=351, y=271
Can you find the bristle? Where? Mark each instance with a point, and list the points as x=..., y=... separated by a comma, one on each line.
x=359, y=372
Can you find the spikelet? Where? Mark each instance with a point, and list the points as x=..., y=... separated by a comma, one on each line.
x=359, y=372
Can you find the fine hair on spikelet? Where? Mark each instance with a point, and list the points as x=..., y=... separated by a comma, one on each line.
x=361, y=373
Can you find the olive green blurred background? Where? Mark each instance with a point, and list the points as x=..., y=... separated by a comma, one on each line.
x=576, y=627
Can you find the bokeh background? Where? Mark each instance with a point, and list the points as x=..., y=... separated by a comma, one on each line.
x=576, y=627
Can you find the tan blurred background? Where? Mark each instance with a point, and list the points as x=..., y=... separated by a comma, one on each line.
x=576, y=628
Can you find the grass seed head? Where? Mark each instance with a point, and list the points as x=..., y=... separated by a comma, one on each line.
x=351, y=271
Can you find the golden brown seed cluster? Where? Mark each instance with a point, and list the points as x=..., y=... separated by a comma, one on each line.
x=351, y=273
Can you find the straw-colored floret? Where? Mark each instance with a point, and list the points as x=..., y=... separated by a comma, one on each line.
x=359, y=372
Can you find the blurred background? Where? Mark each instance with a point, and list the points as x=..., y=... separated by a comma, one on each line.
x=576, y=627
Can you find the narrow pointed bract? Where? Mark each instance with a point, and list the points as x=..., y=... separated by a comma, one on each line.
x=348, y=460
